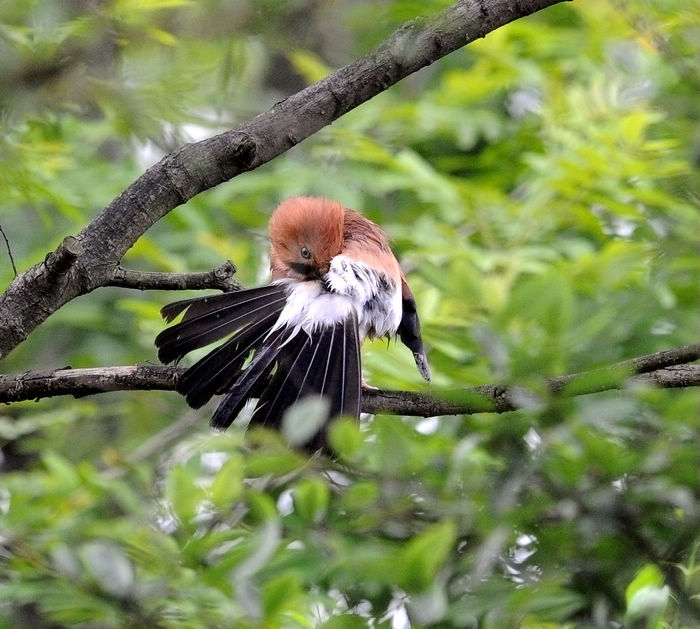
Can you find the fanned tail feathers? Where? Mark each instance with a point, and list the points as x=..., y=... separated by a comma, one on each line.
x=291, y=366
x=327, y=363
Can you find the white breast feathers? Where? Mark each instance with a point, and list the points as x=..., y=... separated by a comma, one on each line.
x=376, y=296
x=348, y=285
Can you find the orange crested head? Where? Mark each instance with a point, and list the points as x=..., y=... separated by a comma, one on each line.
x=305, y=234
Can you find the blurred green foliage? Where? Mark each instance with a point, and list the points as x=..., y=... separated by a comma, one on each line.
x=541, y=187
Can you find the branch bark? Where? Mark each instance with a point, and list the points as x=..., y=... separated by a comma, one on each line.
x=220, y=278
x=653, y=369
x=88, y=260
x=494, y=398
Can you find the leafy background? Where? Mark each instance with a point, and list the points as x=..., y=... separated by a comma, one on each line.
x=541, y=189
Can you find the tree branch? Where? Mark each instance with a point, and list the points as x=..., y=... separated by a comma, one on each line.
x=483, y=399
x=494, y=398
x=34, y=385
x=34, y=295
x=220, y=278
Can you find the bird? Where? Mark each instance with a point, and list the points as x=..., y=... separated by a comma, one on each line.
x=334, y=283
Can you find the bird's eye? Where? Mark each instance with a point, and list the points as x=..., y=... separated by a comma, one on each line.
x=305, y=253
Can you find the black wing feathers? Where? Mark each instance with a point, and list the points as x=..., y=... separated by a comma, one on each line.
x=215, y=372
x=285, y=365
x=248, y=384
x=343, y=369
x=212, y=318
x=203, y=305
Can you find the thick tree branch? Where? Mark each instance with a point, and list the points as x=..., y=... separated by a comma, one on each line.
x=34, y=385
x=220, y=278
x=35, y=294
x=483, y=399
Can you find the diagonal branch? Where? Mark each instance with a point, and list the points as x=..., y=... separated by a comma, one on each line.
x=34, y=295
x=658, y=369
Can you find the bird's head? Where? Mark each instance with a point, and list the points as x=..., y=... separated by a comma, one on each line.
x=305, y=234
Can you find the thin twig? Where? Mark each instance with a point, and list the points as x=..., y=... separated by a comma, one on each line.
x=9, y=250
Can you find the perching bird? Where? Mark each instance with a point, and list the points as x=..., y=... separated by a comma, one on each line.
x=335, y=282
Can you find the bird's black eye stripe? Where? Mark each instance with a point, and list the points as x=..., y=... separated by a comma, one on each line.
x=305, y=253
x=304, y=269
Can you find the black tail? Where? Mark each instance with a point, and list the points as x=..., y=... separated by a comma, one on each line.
x=326, y=363
x=284, y=366
x=289, y=367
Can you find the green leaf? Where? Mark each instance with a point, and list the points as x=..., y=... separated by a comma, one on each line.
x=62, y=471
x=344, y=621
x=649, y=575
x=361, y=495
x=279, y=594
x=183, y=493
x=261, y=505
x=227, y=486
x=547, y=298
x=311, y=498
x=277, y=462
x=345, y=437
x=422, y=557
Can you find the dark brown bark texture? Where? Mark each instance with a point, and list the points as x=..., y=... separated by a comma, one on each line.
x=91, y=259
